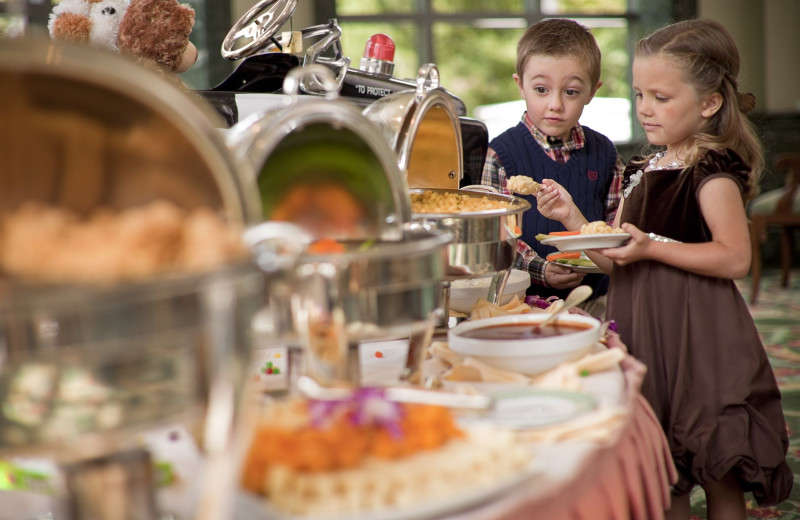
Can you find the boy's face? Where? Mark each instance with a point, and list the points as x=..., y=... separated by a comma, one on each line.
x=555, y=90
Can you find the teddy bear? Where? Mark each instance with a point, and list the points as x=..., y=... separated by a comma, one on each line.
x=154, y=31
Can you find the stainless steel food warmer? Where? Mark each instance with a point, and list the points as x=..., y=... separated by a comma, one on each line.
x=84, y=369
x=386, y=282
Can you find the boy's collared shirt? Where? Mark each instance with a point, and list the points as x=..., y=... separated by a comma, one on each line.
x=557, y=149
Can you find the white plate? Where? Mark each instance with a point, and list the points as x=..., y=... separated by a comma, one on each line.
x=580, y=268
x=253, y=507
x=586, y=241
x=529, y=408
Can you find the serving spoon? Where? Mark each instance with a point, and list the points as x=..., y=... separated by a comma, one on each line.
x=577, y=296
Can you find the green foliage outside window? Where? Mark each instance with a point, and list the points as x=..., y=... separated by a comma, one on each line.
x=475, y=56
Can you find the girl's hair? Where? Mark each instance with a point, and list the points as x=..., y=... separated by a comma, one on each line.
x=708, y=55
x=560, y=37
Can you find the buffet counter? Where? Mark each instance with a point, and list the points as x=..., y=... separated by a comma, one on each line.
x=612, y=463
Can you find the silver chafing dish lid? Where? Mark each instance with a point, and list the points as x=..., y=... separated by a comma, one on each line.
x=88, y=128
x=322, y=165
x=423, y=129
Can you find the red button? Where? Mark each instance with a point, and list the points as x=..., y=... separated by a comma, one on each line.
x=380, y=47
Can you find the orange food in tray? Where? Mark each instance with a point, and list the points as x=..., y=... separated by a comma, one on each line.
x=366, y=453
x=326, y=246
x=341, y=444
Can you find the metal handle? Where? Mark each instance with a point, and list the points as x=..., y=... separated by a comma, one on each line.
x=427, y=79
x=332, y=34
x=320, y=74
x=276, y=245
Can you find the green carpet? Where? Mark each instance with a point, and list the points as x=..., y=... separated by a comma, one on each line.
x=777, y=316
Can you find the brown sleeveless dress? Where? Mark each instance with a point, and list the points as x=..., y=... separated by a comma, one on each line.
x=708, y=379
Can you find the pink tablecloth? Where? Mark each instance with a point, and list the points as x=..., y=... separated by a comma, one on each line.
x=627, y=477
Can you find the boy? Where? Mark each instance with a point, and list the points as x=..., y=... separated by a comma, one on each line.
x=557, y=74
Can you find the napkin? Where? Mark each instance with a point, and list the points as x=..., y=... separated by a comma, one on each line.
x=565, y=376
x=596, y=426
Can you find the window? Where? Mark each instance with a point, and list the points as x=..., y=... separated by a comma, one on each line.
x=473, y=44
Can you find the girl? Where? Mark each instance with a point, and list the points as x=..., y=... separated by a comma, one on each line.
x=672, y=291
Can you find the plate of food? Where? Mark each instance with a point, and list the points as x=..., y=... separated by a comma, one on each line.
x=593, y=235
x=575, y=260
x=368, y=458
x=255, y=507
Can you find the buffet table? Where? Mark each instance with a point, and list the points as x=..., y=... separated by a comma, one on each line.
x=611, y=464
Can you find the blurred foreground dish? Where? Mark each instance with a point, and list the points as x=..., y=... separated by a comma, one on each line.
x=369, y=454
x=50, y=244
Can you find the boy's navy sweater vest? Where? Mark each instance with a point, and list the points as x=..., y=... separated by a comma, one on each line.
x=587, y=176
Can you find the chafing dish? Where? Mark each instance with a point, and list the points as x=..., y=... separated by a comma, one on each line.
x=484, y=242
x=84, y=368
x=87, y=128
x=321, y=164
x=386, y=283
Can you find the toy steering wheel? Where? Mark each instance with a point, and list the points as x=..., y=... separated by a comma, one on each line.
x=258, y=25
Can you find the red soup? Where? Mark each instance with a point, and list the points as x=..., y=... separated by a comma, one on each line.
x=517, y=331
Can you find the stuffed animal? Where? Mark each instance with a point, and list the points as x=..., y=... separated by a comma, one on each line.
x=151, y=30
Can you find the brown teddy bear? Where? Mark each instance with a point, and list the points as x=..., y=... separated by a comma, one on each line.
x=151, y=30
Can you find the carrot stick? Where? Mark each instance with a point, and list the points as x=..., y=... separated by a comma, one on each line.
x=566, y=256
x=564, y=233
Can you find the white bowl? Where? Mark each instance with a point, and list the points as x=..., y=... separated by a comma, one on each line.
x=529, y=356
x=464, y=294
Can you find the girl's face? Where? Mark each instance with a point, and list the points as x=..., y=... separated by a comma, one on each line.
x=555, y=90
x=669, y=109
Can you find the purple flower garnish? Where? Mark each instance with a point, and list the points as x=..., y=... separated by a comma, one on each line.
x=536, y=301
x=367, y=406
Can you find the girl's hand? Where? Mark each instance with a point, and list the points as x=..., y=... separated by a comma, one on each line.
x=635, y=249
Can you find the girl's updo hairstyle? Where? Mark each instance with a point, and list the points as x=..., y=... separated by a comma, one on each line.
x=708, y=55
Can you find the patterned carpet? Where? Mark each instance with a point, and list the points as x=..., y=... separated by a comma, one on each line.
x=777, y=316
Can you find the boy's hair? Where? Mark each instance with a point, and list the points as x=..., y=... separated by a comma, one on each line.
x=708, y=55
x=560, y=37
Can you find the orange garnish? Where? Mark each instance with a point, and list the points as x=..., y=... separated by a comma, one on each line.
x=325, y=246
x=563, y=233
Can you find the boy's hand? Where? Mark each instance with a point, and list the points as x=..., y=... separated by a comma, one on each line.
x=554, y=202
x=561, y=277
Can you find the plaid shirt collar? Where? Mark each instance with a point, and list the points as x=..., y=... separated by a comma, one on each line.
x=575, y=141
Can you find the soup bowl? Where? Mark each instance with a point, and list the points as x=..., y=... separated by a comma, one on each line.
x=516, y=342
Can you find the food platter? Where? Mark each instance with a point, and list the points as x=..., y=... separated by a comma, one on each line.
x=585, y=242
x=249, y=505
x=583, y=264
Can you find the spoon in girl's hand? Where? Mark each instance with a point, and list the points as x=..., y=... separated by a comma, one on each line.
x=577, y=296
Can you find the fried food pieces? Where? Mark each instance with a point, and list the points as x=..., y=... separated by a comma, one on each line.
x=44, y=243
x=523, y=185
